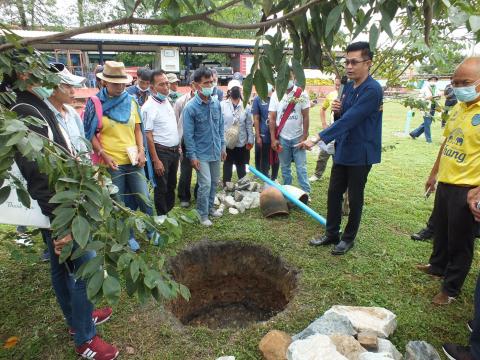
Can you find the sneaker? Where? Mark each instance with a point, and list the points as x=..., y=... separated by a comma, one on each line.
x=45, y=257
x=156, y=239
x=99, y=316
x=206, y=222
x=97, y=349
x=313, y=178
x=216, y=213
x=184, y=204
x=442, y=298
x=427, y=269
x=470, y=325
x=457, y=352
x=422, y=235
x=134, y=245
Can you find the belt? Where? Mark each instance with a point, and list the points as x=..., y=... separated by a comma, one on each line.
x=167, y=148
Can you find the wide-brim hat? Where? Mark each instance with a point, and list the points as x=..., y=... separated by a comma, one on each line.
x=114, y=72
x=66, y=77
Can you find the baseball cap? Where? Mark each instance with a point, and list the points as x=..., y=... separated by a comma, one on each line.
x=66, y=77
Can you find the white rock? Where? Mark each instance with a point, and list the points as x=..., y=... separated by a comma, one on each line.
x=247, y=201
x=375, y=319
x=256, y=200
x=238, y=196
x=226, y=358
x=315, y=347
x=233, y=211
x=240, y=207
x=375, y=356
x=216, y=202
x=229, y=201
x=386, y=346
x=221, y=207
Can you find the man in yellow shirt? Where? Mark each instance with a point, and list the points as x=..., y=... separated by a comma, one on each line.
x=457, y=170
x=326, y=111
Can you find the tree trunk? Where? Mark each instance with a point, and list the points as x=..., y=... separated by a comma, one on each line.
x=21, y=12
x=81, y=16
x=32, y=13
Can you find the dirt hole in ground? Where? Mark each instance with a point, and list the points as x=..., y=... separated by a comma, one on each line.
x=233, y=284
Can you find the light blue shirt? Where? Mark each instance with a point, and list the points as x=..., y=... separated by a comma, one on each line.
x=203, y=129
x=73, y=126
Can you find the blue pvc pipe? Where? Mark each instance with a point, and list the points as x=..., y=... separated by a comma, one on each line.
x=291, y=198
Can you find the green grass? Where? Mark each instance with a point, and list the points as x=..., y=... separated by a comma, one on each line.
x=378, y=272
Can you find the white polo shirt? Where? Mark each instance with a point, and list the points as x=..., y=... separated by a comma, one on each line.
x=294, y=126
x=160, y=118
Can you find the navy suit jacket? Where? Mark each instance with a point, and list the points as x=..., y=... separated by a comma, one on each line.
x=358, y=132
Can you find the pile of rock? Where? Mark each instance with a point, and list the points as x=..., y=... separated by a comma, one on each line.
x=238, y=197
x=345, y=333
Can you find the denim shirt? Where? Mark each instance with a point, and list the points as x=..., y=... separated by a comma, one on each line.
x=203, y=129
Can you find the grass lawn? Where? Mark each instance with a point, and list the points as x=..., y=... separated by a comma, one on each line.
x=379, y=271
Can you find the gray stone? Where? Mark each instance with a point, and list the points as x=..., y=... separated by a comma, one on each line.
x=375, y=356
x=233, y=211
x=240, y=207
x=369, y=340
x=229, y=186
x=229, y=201
x=247, y=201
x=221, y=207
x=376, y=319
x=216, y=202
x=256, y=200
x=420, y=350
x=244, y=180
x=238, y=196
x=386, y=346
x=347, y=346
x=242, y=186
x=253, y=186
x=328, y=324
x=315, y=347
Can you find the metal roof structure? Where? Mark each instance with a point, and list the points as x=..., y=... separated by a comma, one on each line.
x=141, y=43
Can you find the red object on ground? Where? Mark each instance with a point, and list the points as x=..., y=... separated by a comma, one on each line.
x=97, y=349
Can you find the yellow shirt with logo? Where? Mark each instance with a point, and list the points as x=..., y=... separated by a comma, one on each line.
x=460, y=158
x=116, y=137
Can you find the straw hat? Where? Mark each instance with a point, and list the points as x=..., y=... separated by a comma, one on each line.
x=114, y=72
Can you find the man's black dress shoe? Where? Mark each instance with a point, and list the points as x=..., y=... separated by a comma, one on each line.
x=342, y=248
x=323, y=240
x=423, y=235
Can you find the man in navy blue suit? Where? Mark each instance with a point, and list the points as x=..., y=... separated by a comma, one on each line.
x=358, y=145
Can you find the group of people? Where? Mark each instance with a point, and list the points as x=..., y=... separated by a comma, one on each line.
x=151, y=125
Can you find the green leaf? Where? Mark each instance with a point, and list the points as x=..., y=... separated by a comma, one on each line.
x=134, y=269
x=95, y=283
x=92, y=211
x=111, y=289
x=124, y=261
x=164, y=289
x=66, y=251
x=247, y=88
x=353, y=6
x=184, y=292
x=14, y=139
x=299, y=74
x=116, y=248
x=267, y=6
x=24, y=197
x=64, y=196
x=79, y=252
x=374, y=33
x=260, y=85
x=152, y=278
x=333, y=18
x=173, y=10
x=283, y=77
x=87, y=269
x=36, y=142
x=81, y=230
x=266, y=69
x=248, y=4
x=63, y=217
x=4, y=194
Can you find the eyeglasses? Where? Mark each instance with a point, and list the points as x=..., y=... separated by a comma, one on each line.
x=354, y=62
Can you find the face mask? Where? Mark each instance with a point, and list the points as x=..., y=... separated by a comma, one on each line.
x=432, y=83
x=235, y=93
x=290, y=84
x=41, y=92
x=467, y=93
x=207, y=91
x=139, y=88
x=160, y=96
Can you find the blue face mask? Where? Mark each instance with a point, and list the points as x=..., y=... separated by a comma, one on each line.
x=160, y=96
x=290, y=84
x=207, y=91
x=467, y=93
x=42, y=92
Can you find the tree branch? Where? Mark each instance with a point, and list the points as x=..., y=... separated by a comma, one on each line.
x=114, y=23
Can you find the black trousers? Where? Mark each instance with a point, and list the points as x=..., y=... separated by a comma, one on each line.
x=184, y=184
x=342, y=177
x=164, y=193
x=239, y=156
x=262, y=161
x=454, y=235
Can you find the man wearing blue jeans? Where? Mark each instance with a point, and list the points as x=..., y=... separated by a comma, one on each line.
x=292, y=133
x=430, y=93
x=204, y=141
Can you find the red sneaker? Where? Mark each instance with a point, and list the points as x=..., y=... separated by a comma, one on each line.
x=97, y=349
x=99, y=316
